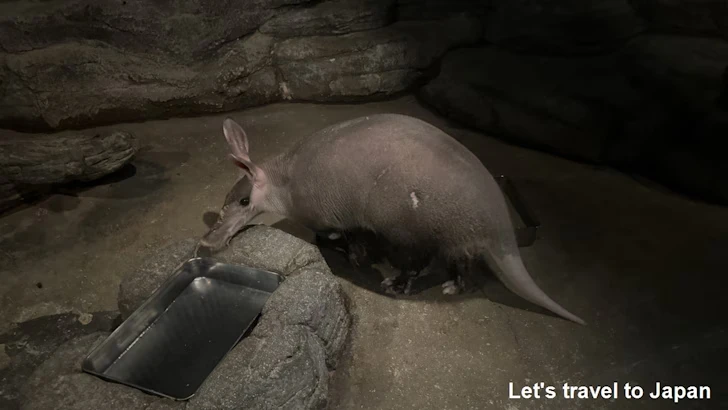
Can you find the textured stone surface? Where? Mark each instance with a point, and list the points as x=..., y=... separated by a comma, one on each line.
x=180, y=29
x=723, y=98
x=561, y=26
x=701, y=17
x=136, y=287
x=330, y=18
x=271, y=249
x=284, y=368
x=366, y=64
x=60, y=384
x=63, y=158
x=440, y=9
x=694, y=162
x=688, y=71
x=688, y=74
x=315, y=300
x=30, y=343
x=80, y=63
x=30, y=160
x=581, y=107
x=75, y=84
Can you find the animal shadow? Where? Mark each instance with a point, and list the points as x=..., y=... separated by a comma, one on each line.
x=371, y=271
x=373, y=266
x=210, y=218
x=481, y=282
x=147, y=172
x=61, y=197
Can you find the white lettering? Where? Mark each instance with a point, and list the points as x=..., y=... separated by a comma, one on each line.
x=677, y=393
x=511, y=395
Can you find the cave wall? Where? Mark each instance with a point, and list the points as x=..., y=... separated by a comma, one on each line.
x=641, y=85
x=638, y=84
x=80, y=63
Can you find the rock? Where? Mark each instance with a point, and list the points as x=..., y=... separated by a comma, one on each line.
x=112, y=85
x=5, y=360
x=310, y=296
x=63, y=158
x=284, y=369
x=158, y=265
x=440, y=9
x=561, y=27
x=59, y=383
x=30, y=343
x=320, y=305
x=271, y=249
x=178, y=29
x=692, y=163
x=692, y=173
x=689, y=17
x=685, y=71
x=57, y=159
x=577, y=107
x=378, y=62
x=688, y=74
x=80, y=64
x=330, y=18
x=723, y=98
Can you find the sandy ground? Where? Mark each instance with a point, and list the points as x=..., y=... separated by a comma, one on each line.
x=643, y=266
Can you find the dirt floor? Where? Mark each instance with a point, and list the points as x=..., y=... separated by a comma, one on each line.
x=643, y=266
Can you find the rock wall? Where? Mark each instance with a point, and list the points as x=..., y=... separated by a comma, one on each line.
x=688, y=17
x=57, y=159
x=561, y=26
x=81, y=63
x=630, y=84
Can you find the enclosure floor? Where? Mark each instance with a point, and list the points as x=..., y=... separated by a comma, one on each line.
x=644, y=267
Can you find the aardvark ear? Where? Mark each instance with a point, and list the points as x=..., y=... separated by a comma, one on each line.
x=238, y=142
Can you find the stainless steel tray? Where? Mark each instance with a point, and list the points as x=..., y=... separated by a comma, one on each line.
x=525, y=222
x=174, y=340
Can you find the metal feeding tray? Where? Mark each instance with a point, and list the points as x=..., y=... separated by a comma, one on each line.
x=175, y=339
x=525, y=222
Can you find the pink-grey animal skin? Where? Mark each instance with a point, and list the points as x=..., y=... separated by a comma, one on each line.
x=399, y=177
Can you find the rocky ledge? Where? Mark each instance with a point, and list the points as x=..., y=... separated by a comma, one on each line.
x=284, y=363
x=80, y=63
x=30, y=163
